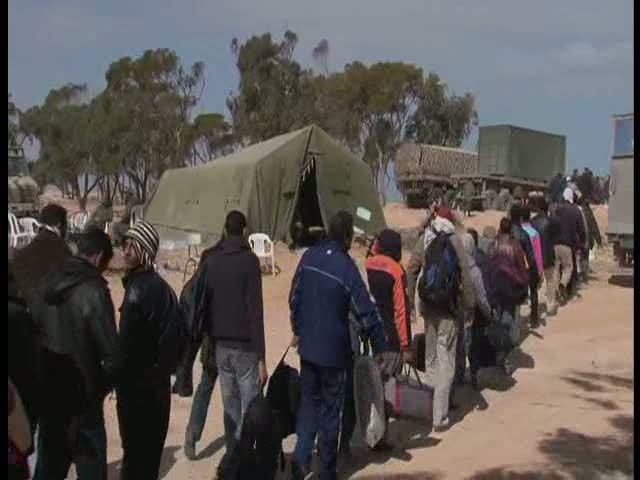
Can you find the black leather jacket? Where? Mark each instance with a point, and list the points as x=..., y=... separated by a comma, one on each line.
x=78, y=330
x=147, y=306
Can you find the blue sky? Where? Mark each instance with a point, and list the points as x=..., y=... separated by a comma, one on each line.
x=562, y=66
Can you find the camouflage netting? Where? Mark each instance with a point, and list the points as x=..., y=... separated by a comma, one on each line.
x=415, y=160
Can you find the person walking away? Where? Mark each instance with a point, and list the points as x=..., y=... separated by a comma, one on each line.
x=593, y=231
x=476, y=319
x=521, y=235
x=80, y=363
x=144, y=391
x=570, y=233
x=536, y=243
x=388, y=285
x=582, y=252
x=547, y=228
x=183, y=385
x=469, y=191
x=510, y=282
x=487, y=242
x=326, y=290
x=442, y=315
x=231, y=299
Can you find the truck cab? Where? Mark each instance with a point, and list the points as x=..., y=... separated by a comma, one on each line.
x=620, y=228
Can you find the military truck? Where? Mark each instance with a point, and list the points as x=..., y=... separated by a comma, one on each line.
x=23, y=189
x=508, y=158
x=620, y=228
x=515, y=158
x=421, y=168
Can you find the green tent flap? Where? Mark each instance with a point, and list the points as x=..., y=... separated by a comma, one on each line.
x=264, y=181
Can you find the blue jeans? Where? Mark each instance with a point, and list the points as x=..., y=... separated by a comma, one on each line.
x=322, y=391
x=200, y=405
x=81, y=440
x=238, y=376
x=348, y=421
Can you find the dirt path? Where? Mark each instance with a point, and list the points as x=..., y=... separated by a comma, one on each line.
x=569, y=414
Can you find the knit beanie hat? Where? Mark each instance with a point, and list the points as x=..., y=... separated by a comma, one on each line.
x=390, y=243
x=145, y=241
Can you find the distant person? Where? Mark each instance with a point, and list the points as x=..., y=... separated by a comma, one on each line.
x=80, y=363
x=45, y=254
x=326, y=290
x=570, y=235
x=101, y=216
x=469, y=191
x=582, y=252
x=510, y=283
x=555, y=187
x=442, y=321
x=144, y=390
x=548, y=230
x=534, y=236
x=605, y=189
x=487, y=242
x=231, y=299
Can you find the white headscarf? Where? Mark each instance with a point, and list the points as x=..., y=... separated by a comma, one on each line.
x=568, y=194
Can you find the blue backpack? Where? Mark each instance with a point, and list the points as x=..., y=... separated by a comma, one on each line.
x=440, y=281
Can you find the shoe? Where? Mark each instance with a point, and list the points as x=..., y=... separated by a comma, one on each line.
x=553, y=312
x=190, y=449
x=300, y=473
x=382, y=446
x=442, y=427
x=534, y=324
x=474, y=381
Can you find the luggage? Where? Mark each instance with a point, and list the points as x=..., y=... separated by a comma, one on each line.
x=369, y=399
x=409, y=397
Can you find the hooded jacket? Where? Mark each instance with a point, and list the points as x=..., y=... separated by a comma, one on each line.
x=79, y=335
x=416, y=261
x=326, y=292
x=388, y=285
x=33, y=263
x=229, y=293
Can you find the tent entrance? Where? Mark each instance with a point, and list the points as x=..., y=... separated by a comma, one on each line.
x=307, y=226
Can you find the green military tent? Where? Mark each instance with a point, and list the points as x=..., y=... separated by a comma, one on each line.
x=303, y=176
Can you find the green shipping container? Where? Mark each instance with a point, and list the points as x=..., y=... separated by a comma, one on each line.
x=510, y=151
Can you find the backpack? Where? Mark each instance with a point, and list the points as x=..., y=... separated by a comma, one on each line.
x=441, y=273
x=174, y=340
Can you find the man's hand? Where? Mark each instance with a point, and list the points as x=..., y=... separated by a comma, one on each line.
x=294, y=341
x=263, y=375
x=407, y=357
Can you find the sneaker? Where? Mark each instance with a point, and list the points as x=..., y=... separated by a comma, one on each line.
x=190, y=449
x=442, y=427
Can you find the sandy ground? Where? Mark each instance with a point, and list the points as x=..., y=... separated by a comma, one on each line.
x=568, y=415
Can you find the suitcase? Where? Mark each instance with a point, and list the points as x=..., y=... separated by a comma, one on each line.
x=409, y=397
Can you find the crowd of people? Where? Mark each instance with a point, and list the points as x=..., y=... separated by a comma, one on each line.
x=66, y=353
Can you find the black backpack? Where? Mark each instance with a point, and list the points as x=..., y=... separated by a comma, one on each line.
x=175, y=337
x=440, y=279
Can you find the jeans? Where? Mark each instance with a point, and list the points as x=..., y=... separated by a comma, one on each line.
x=322, y=390
x=441, y=339
x=200, y=405
x=143, y=417
x=533, y=299
x=81, y=440
x=238, y=376
x=348, y=420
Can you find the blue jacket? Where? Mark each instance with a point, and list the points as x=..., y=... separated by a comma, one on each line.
x=326, y=291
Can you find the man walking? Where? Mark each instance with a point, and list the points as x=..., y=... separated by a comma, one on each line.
x=548, y=230
x=231, y=299
x=80, y=363
x=327, y=288
x=144, y=392
x=442, y=322
x=520, y=234
x=570, y=234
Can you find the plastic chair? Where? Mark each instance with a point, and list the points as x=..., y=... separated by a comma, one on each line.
x=30, y=227
x=16, y=235
x=259, y=243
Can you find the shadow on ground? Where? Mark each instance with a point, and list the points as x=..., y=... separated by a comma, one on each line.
x=624, y=281
x=211, y=449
